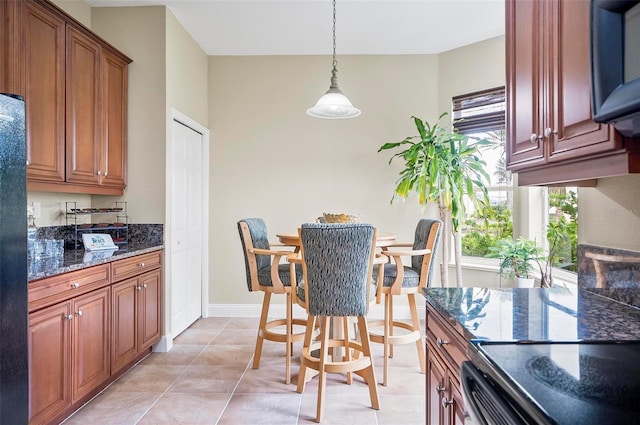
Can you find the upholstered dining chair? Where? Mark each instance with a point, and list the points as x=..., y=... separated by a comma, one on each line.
x=337, y=263
x=266, y=273
x=400, y=280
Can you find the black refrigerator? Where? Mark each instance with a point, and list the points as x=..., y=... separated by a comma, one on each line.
x=14, y=367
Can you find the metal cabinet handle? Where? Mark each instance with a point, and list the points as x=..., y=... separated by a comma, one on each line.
x=138, y=288
x=140, y=264
x=28, y=162
x=105, y=174
x=446, y=403
x=439, y=389
x=440, y=342
x=79, y=313
x=75, y=285
x=548, y=132
x=98, y=173
x=68, y=316
x=534, y=137
x=144, y=286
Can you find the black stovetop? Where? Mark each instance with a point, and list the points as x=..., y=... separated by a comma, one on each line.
x=568, y=383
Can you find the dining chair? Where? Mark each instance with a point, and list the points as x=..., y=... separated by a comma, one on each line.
x=337, y=264
x=399, y=279
x=266, y=273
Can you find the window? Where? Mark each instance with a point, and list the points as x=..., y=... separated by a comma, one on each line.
x=481, y=115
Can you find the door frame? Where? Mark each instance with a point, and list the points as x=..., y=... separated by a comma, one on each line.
x=177, y=117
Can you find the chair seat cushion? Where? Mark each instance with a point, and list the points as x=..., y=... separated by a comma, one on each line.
x=264, y=275
x=411, y=276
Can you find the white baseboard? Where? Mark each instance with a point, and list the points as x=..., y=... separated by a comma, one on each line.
x=376, y=311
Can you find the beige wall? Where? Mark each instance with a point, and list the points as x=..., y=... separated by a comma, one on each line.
x=475, y=67
x=187, y=77
x=609, y=214
x=270, y=160
x=77, y=9
x=140, y=33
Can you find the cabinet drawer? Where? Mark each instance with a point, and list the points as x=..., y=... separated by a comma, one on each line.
x=51, y=290
x=448, y=343
x=134, y=266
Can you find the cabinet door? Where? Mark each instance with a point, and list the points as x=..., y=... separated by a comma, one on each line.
x=44, y=92
x=149, y=309
x=90, y=341
x=525, y=83
x=82, y=108
x=49, y=362
x=124, y=328
x=456, y=410
x=577, y=133
x=436, y=386
x=114, y=108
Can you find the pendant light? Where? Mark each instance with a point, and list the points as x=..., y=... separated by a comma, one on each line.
x=334, y=104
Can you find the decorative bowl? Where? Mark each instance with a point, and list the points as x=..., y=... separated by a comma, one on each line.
x=341, y=218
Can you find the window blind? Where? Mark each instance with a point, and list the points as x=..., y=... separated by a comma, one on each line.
x=479, y=111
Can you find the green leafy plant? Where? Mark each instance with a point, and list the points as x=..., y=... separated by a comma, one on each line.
x=442, y=166
x=517, y=257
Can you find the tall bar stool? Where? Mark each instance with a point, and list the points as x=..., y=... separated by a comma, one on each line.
x=269, y=276
x=405, y=280
x=337, y=264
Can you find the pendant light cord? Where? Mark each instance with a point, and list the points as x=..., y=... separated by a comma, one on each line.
x=334, y=71
x=335, y=62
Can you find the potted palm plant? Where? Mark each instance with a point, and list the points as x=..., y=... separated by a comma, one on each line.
x=443, y=166
x=517, y=259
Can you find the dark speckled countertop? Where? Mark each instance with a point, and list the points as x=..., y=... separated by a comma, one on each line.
x=555, y=314
x=78, y=259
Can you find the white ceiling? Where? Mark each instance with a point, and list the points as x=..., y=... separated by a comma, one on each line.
x=303, y=27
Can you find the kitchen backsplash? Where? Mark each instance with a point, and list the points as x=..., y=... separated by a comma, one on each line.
x=611, y=272
x=138, y=234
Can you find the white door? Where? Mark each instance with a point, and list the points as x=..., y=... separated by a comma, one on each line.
x=186, y=226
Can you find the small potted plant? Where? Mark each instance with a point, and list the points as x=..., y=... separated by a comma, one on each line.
x=517, y=259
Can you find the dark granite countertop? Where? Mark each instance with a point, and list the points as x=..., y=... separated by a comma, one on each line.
x=78, y=259
x=555, y=314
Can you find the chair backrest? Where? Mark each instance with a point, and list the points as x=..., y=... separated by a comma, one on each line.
x=253, y=234
x=337, y=267
x=427, y=236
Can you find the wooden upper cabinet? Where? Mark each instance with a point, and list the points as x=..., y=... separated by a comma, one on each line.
x=574, y=133
x=525, y=83
x=551, y=136
x=75, y=89
x=114, y=108
x=83, y=108
x=43, y=88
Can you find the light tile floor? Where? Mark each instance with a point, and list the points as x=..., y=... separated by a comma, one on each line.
x=207, y=378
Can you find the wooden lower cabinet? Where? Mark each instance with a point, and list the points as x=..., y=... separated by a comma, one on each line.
x=90, y=341
x=68, y=347
x=136, y=317
x=79, y=343
x=445, y=353
x=49, y=362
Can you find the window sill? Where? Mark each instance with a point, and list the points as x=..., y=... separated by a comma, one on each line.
x=561, y=277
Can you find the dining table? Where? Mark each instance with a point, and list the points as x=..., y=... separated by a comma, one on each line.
x=382, y=240
x=293, y=239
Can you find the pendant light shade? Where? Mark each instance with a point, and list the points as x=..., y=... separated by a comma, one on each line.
x=333, y=104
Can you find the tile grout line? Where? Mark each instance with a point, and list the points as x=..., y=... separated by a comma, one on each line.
x=177, y=377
